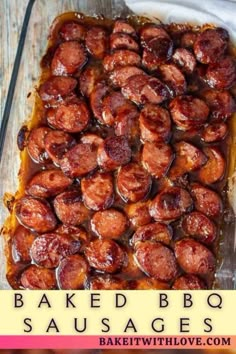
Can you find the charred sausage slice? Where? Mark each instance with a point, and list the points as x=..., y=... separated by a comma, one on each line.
x=189, y=282
x=35, y=214
x=155, y=232
x=138, y=213
x=72, y=272
x=123, y=41
x=221, y=104
x=36, y=144
x=97, y=190
x=122, y=57
x=214, y=169
x=122, y=26
x=88, y=79
x=37, y=278
x=72, y=31
x=170, y=204
x=21, y=243
x=97, y=42
x=121, y=75
x=96, y=97
x=109, y=223
x=57, y=143
x=56, y=88
x=185, y=60
x=214, y=132
x=222, y=75
x=173, y=78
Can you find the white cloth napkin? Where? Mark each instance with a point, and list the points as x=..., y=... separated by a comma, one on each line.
x=219, y=12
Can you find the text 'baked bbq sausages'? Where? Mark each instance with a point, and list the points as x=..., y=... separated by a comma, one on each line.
x=125, y=161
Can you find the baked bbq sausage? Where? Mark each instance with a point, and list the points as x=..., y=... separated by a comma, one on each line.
x=37, y=278
x=114, y=152
x=222, y=75
x=111, y=105
x=133, y=182
x=121, y=75
x=185, y=60
x=68, y=58
x=156, y=260
x=206, y=200
x=214, y=170
x=122, y=26
x=210, y=45
x=105, y=255
x=35, y=214
x=150, y=31
x=199, y=226
x=193, y=257
x=88, y=79
x=72, y=272
x=98, y=191
x=147, y=283
x=21, y=243
x=157, y=158
x=155, y=123
x=155, y=232
x=70, y=209
x=48, y=183
x=99, y=92
x=172, y=76
x=150, y=61
x=36, y=144
x=79, y=160
x=126, y=121
x=189, y=282
x=57, y=143
x=138, y=213
x=187, y=158
x=123, y=41
x=106, y=282
x=48, y=249
x=97, y=42
x=72, y=31
x=76, y=232
x=109, y=224
x=122, y=57
x=72, y=117
x=54, y=89
x=221, y=103
x=170, y=204
x=188, y=112
x=214, y=132
x=188, y=39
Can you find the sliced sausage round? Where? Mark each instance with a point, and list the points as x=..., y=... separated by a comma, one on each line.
x=122, y=57
x=155, y=123
x=48, y=183
x=154, y=91
x=121, y=75
x=106, y=282
x=156, y=260
x=68, y=58
x=111, y=104
x=214, y=132
x=122, y=26
x=109, y=224
x=198, y=225
x=161, y=48
x=114, y=152
x=150, y=61
x=138, y=213
x=210, y=45
x=188, y=112
x=21, y=243
x=123, y=41
x=36, y=144
x=173, y=78
x=35, y=214
x=206, y=200
x=193, y=257
x=72, y=117
x=96, y=97
x=189, y=282
x=157, y=158
x=221, y=104
x=79, y=160
x=185, y=60
x=222, y=75
x=72, y=272
x=155, y=232
x=55, y=88
x=76, y=232
x=92, y=139
x=187, y=39
x=130, y=268
x=214, y=170
x=47, y=250
x=148, y=283
x=170, y=204
x=133, y=88
x=57, y=143
x=126, y=122
x=70, y=208
x=72, y=31
x=151, y=30
x=188, y=158
x=133, y=182
x=97, y=42
x=105, y=255
x=98, y=191
x=37, y=278
x=88, y=79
